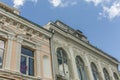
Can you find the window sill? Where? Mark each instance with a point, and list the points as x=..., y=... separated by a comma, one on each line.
x=18, y=75
x=60, y=77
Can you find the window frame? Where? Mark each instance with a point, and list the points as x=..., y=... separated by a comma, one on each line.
x=95, y=72
x=115, y=76
x=63, y=57
x=81, y=68
x=28, y=57
x=108, y=76
x=3, y=49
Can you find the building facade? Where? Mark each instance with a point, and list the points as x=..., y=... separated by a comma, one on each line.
x=74, y=58
x=24, y=48
x=53, y=52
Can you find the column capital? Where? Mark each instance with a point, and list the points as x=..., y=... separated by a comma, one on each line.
x=37, y=47
x=11, y=36
x=19, y=39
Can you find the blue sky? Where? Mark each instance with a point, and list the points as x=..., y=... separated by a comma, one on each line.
x=99, y=20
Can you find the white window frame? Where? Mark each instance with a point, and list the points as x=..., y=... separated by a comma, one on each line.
x=2, y=53
x=63, y=64
x=27, y=62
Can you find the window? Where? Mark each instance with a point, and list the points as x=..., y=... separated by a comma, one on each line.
x=106, y=75
x=2, y=47
x=95, y=71
x=27, y=62
x=115, y=76
x=62, y=62
x=80, y=68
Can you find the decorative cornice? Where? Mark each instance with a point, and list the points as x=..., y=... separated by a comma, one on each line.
x=20, y=22
x=82, y=43
x=10, y=9
x=20, y=29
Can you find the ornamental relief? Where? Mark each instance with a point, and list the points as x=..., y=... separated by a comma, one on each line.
x=93, y=59
x=17, y=28
x=1, y=24
x=104, y=64
x=61, y=43
x=113, y=68
x=28, y=44
x=78, y=52
x=3, y=34
x=2, y=18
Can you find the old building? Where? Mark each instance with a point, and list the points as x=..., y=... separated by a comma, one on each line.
x=74, y=58
x=24, y=48
x=53, y=52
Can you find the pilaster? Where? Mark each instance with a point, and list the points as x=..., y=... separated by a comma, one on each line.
x=73, y=62
x=9, y=52
x=88, y=67
x=38, y=71
x=18, y=52
x=100, y=70
x=110, y=73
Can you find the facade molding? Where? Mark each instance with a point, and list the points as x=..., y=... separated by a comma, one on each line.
x=82, y=43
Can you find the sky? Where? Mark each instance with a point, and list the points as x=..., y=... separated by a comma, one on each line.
x=99, y=20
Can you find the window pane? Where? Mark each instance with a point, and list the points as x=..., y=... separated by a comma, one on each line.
x=83, y=73
x=59, y=61
x=106, y=75
x=31, y=66
x=95, y=71
x=1, y=58
x=1, y=44
x=23, y=66
x=80, y=68
x=28, y=52
x=79, y=73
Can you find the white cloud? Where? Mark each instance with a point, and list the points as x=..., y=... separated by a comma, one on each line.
x=19, y=3
x=55, y=3
x=110, y=8
x=62, y=3
x=96, y=2
x=112, y=11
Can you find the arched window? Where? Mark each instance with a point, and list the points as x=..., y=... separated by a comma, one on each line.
x=62, y=62
x=115, y=76
x=95, y=72
x=106, y=75
x=80, y=68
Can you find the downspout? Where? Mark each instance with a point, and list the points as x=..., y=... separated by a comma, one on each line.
x=52, y=54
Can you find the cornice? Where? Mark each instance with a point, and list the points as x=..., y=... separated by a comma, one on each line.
x=10, y=9
x=84, y=44
x=21, y=21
